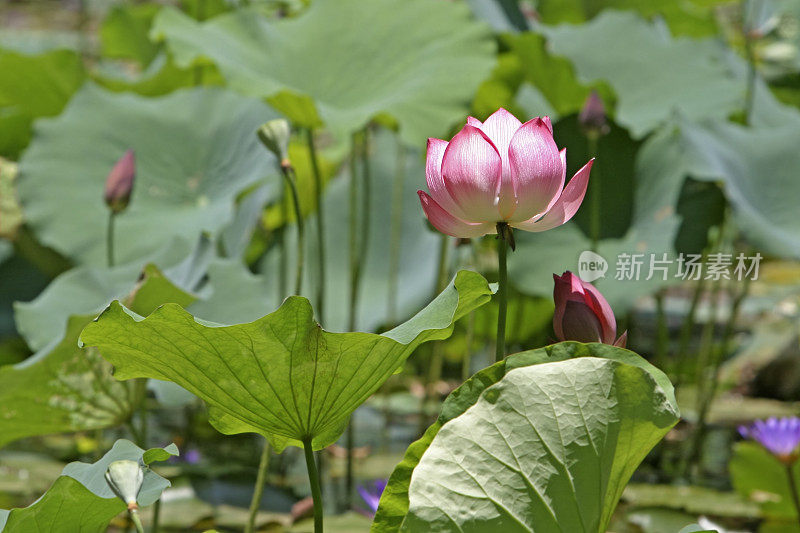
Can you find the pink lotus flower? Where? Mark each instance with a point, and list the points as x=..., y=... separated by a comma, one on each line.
x=500, y=171
x=582, y=314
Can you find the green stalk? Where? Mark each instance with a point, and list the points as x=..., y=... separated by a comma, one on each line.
x=137, y=522
x=283, y=265
x=503, y=235
x=313, y=477
x=396, y=232
x=662, y=332
x=434, y=372
x=793, y=490
x=110, y=239
x=594, y=208
x=358, y=255
x=288, y=175
x=156, y=516
x=750, y=93
x=258, y=490
x=320, y=223
x=470, y=339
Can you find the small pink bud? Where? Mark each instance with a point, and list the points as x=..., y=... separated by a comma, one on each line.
x=582, y=314
x=592, y=117
x=119, y=183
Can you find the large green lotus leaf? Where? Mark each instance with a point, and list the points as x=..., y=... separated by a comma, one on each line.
x=81, y=499
x=758, y=169
x=653, y=75
x=124, y=33
x=282, y=376
x=33, y=86
x=226, y=292
x=659, y=172
x=543, y=441
x=354, y=60
x=684, y=17
x=195, y=151
x=64, y=387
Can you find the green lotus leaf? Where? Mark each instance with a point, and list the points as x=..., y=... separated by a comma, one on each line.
x=81, y=499
x=64, y=387
x=34, y=86
x=195, y=152
x=345, y=62
x=544, y=440
x=281, y=376
x=653, y=75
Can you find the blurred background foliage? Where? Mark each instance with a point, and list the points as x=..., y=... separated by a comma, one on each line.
x=701, y=157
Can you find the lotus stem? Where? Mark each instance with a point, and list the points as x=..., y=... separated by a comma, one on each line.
x=317, y=175
x=504, y=239
x=749, y=98
x=313, y=478
x=156, y=516
x=289, y=177
x=110, y=238
x=594, y=184
x=793, y=490
x=396, y=232
x=258, y=490
x=137, y=521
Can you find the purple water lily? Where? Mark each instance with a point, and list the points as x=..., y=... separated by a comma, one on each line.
x=780, y=436
x=371, y=494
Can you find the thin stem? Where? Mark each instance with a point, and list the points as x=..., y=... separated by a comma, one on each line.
x=502, y=290
x=366, y=200
x=317, y=175
x=662, y=332
x=313, y=478
x=685, y=337
x=396, y=231
x=751, y=79
x=470, y=339
x=793, y=490
x=353, y=235
x=137, y=522
x=258, y=490
x=110, y=239
x=594, y=208
x=156, y=516
x=436, y=360
x=288, y=175
x=283, y=265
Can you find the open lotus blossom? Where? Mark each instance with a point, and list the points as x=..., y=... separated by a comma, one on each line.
x=582, y=314
x=500, y=171
x=780, y=436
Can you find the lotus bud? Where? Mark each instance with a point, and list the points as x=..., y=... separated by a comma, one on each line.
x=275, y=136
x=125, y=479
x=582, y=314
x=592, y=117
x=119, y=183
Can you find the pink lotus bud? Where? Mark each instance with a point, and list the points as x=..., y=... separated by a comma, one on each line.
x=119, y=183
x=592, y=117
x=500, y=171
x=582, y=314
